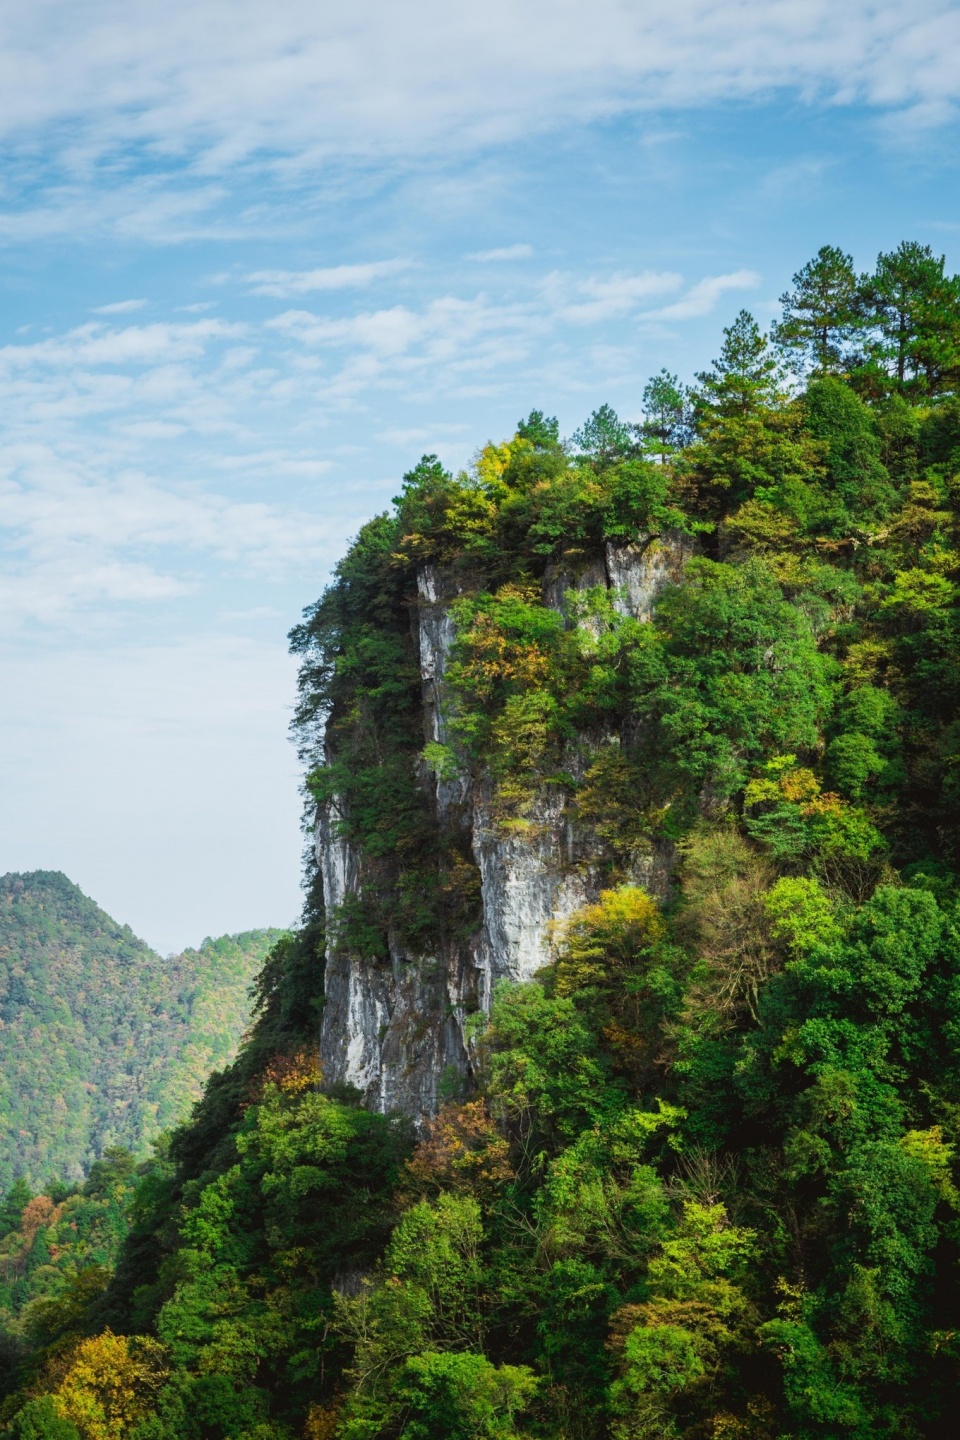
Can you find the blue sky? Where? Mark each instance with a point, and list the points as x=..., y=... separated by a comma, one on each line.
x=257, y=259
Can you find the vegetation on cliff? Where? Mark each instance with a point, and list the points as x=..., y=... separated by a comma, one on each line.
x=706, y=1185
x=102, y=1042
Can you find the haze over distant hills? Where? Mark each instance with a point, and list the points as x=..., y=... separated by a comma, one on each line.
x=102, y=1041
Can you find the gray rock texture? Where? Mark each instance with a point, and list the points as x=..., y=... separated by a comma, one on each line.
x=400, y=1031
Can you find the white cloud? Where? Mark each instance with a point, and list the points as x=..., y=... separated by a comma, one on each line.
x=452, y=345
x=76, y=537
x=285, y=283
x=596, y=299
x=119, y=307
x=106, y=499
x=141, y=460
x=163, y=208
x=98, y=344
x=503, y=252
x=222, y=80
x=447, y=343
x=703, y=297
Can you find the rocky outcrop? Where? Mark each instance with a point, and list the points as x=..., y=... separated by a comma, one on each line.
x=434, y=633
x=400, y=1032
x=395, y=1031
x=638, y=573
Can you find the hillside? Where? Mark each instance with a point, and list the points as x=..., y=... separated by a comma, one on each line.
x=102, y=1042
x=610, y=1089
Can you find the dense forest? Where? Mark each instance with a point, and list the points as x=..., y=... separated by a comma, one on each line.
x=103, y=1043
x=705, y=1183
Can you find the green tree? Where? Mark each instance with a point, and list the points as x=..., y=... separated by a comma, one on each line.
x=462, y=1397
x=603, y=438
x=666, y=425
x=744, y=377
x=915, y=306
x=13, y=1205
x=749, y=440
x=822, y=315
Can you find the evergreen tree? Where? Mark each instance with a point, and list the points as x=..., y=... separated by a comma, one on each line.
x=541, y=430
x=915, y=307
x=746, y=435
x=666, y=425
x=822, y=315
x=603, y=438
x=744, y=378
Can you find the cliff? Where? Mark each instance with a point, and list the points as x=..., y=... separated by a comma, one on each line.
x=399, y=1028
x=698, y=1176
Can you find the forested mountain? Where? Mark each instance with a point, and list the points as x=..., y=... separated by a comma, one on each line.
x=102, y=1042
x=611, y=1087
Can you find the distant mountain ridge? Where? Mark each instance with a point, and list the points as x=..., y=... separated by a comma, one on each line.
x=103, y=1042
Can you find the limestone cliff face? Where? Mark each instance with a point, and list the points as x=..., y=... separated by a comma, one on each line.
x=398, y=1031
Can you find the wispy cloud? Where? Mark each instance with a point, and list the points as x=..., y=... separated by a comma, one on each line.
x=107, y=497
x=703, y=297
x=315, y=81
x=129, y=444
x=285, y=283
x=120, y=307
x=98, y=344
x=503, y=252
x=77, y=539
x=597, y=298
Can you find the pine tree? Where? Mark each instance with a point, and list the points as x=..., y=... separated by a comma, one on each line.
x=745, y=375
x=822, y=315
x=666, y=407
x=915, y=307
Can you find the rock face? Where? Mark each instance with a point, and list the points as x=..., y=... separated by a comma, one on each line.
x=400, y=1032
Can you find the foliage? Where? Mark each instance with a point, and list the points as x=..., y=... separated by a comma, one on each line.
x=103, y=1043
x=110, y=1384
x=706, y=1184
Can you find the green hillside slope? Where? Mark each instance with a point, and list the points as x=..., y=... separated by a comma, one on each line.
x=703, y=1184
x=102, y=1042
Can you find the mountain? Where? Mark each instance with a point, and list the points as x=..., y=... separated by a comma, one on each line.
x=102, y=1042
x=610, y=1088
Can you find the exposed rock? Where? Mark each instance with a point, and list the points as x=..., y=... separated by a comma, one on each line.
x=398, y=1031
x=435, y=636
x=558, y=581
x=640, y=572
x=394, y=1031
x=528, y=882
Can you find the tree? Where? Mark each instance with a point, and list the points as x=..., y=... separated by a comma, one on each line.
x=666, y=409
x=748, y=434
x=673, y=1344
x=610, y=964
x=731, y=671
x=462, y=1397
x=745, y=375
x=543, y=431
x=915, y=307
x=40, y=1420
x=822, y=314
x=110, y=1384
x=844, y=425
x=603, y=438
x=13, y=1205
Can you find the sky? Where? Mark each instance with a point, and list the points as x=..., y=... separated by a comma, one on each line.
x=256, y=259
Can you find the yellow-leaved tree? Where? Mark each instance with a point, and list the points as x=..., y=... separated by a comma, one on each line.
x=111, y=1384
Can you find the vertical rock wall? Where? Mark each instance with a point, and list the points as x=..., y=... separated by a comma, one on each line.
x=398, y=1031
